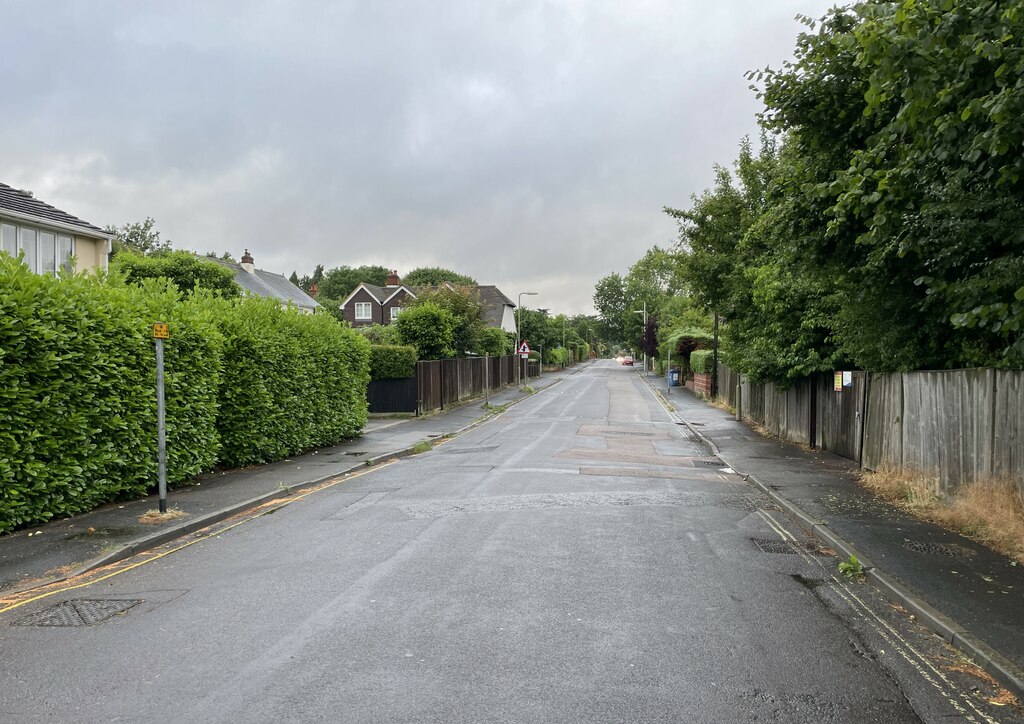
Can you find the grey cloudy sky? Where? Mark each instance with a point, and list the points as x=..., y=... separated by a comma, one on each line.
x=531, y=144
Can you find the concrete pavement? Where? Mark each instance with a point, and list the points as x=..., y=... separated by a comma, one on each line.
x=65, y=548
x=963, y=591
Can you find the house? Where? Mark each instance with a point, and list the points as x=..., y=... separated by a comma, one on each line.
x=371, y=304
x=267, y=284
x=48, y=236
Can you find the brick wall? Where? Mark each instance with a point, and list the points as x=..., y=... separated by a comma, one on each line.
x=701, y=384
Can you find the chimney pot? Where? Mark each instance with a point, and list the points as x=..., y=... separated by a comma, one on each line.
x=247, y=262
x=393, y=278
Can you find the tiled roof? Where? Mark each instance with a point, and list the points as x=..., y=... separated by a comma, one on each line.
x=267, y=284
x=22, y=202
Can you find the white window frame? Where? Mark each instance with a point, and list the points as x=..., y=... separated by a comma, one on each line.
x=394, y=313
x=34, y=255
x=364, y=311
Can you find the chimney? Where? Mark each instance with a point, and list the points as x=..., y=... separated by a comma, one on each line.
x=247, y=262
x=313, y=290
x=393, y=278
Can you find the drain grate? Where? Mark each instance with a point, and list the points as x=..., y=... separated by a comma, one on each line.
x=774, y=545
x=78, y=612
x=950, y=550
x=629, y=433
x=714, y=463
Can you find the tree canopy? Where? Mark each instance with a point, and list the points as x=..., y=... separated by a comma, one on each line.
x=432, y=276
x=184, y=269
x=140, y=237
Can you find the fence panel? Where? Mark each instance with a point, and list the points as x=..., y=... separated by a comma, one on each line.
x=883, y=424
x=1008, y=427
x=392, y=395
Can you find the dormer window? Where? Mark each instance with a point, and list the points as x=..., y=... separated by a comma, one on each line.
x=363, y=311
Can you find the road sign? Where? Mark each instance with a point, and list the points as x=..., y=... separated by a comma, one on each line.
x=161, y=330
x=524, y=348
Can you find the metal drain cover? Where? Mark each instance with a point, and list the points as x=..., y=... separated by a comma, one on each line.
x=773, y=545
x=950, y=550
x=713, y=463
x=78, y=612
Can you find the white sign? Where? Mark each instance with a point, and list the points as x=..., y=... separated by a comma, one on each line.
x=524, y=349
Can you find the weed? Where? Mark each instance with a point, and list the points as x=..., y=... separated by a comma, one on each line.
x=527, y=389
x=155, y=517
x=990, y=511
x=421, y=447
x=851, y=568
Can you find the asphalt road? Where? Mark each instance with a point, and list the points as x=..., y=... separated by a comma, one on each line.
x=577, y=558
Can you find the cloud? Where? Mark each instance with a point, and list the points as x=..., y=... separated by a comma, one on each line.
x=530, y=144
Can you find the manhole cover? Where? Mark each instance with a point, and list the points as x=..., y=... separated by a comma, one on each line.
x=773, y=545
x=79, y=612
x=950, y=550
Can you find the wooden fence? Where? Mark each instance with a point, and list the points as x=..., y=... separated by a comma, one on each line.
x=446, y=382
x=959, y=424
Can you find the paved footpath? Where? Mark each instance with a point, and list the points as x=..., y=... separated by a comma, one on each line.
x=963, y=591
x=65, y=548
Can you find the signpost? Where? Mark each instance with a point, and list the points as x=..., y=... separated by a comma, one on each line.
x=524, y=353
x=161, y=331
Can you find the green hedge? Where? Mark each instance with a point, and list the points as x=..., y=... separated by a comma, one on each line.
x=245, y=381
x=701, y=361
x=392, y=361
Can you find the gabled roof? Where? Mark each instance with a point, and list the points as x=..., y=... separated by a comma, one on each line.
x=267, y=284
x=494, y=304
x=23, y=205
x=382, y=295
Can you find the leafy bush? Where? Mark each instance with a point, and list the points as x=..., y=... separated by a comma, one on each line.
x=381, y=334
x=292, y=381
x=185, y=269
x=429, y=328
x=391, y=362
x=558, y=356
x=701, y=361
x=245, y=381
x=495, y=342
x=77, y=392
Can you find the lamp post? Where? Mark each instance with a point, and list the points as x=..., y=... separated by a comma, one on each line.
x=643, y=312
x=519, y=325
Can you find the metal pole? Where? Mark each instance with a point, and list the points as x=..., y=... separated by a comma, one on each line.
x=487, y=379
x=161, y=444
x=668, y=373
x=540, y=369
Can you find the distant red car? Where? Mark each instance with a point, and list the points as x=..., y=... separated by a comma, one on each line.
x=627, y=361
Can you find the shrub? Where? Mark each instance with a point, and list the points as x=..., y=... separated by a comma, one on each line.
x=77, y=392
x=701, y=361
x=381, y=334
x=186, y=270
x=390, y=362
x=495, y=342
x=245, y=381
x=429, y=328
x=558, y=356
x=292, y=381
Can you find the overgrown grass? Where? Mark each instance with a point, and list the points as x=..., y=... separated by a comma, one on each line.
x=155, y=517
x=990, y=511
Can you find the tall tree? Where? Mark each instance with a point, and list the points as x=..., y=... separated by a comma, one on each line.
x=432, y=276
x=610, y=303
x=140, y=237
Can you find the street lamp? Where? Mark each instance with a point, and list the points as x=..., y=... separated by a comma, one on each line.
x=643, y=312
x=519, y=321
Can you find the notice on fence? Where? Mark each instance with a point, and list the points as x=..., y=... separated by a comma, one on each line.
x=837, y=382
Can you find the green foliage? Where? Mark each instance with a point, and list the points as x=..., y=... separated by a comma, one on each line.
x=339, y=282
x=433, y=276
x=429, y=328
x=495, y=342
x=610, y=303
x=292, y=381
x=467, y=312
x=702, y=361
x=852, y=567
x=138, y=238
x=556, y=356
x=381, y=334
x=245, y=381
x=186, y=270
x=390, y=362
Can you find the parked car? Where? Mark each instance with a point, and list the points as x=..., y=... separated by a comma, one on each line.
x=627, y=360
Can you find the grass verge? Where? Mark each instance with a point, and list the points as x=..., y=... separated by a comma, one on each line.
x=990, y=511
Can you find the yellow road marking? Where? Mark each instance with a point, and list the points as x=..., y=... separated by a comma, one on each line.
x=262, y=510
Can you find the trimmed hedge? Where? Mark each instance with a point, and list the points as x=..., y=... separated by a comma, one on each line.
x=701, y=361
x=245, y=381
x=392, y=361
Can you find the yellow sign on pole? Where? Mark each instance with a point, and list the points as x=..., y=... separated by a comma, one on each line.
x=161, y=330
